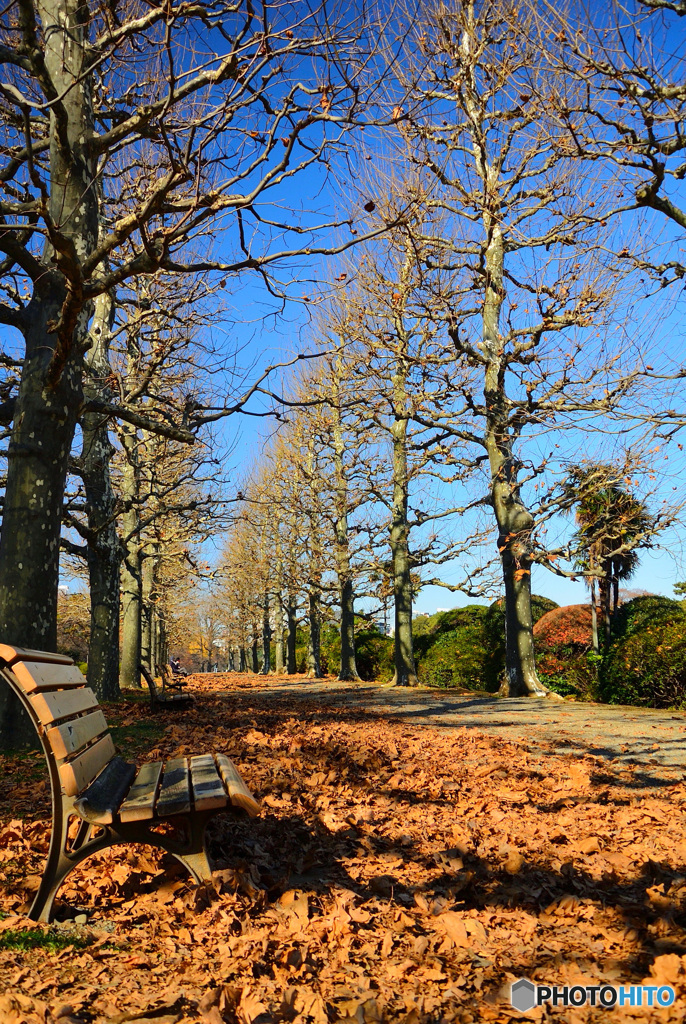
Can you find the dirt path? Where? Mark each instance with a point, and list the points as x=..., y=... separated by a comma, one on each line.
x=653, y=740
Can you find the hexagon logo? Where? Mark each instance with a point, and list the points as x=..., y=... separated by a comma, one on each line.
x=523, y=995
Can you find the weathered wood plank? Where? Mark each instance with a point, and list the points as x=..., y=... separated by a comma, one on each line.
x=101, y=800
x=52, y=706
x=76, y=775
x=70, y=737
x=238, y=791
x=38, y=675
x=175, y=791
x=11, y=654
x=140, y=802
x=208, y=788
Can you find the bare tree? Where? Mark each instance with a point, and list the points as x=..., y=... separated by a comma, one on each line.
x=519, y=257
x=218, y=131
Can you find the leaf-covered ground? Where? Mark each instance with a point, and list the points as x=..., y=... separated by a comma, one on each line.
x=396, y=874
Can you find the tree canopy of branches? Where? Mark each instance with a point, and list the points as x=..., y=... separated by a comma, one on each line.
x=129, y=137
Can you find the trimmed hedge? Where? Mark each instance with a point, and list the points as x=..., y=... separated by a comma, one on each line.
x=455, y=653
x=564, y=646
x=466, y=646
x=646, y=663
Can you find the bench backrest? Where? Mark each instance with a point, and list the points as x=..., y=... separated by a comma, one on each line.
x=65, y=711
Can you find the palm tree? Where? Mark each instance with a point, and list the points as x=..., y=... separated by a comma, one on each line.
x=612, y=524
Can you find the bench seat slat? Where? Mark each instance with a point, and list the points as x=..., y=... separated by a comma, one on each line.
x=140, y=802
x=70, y=737
x=50, y=707
x=101, y=800
x=38, y=675
x=76, y=775
x=175, y=792
x=238, y=791
x=208, y=788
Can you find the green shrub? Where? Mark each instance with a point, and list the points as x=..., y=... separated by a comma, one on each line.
x=374, y=655
x=646, y=662
x=454, y=650
x=331, y=648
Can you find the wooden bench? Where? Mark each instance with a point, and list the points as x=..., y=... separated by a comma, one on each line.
x=109, y=800
x=171, y=682
x=174, y=701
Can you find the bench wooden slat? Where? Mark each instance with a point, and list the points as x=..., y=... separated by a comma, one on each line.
x=70, y=737
x=175, y=791
x=10, y=654
x=101, y=800
x=38, y=675
x=76, y=775
x=140, y=802
x=208, y=788
x=52, y=706
x=238, y=791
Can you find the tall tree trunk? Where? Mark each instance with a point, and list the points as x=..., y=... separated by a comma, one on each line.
x=348, y=665
x=292, y=635
x=278, y=634
x=513, y=518
x=314, y=668
x=147, y=608
x=50, y=392
x=594, y=616
x=104, y=549
x=129, y=672
x=403, y=648
x=161, y=654
x=255, y=653
x=266, y=637
x=242, y=660
x=605, y=599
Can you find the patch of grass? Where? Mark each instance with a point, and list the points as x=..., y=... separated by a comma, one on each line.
x=36, y=938
x=137, y=737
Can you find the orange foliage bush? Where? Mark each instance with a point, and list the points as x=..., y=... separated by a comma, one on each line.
x=563, y=638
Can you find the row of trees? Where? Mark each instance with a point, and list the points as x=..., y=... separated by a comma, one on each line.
x=510, y=152
x=491, y=331
x=144, y=153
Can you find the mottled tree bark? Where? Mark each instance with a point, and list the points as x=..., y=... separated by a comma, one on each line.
x=147, y=608
x=103, y=549
x=348, y=666
x=266, y=637
x=278, y=634
x=292, y=635
x=104, y=560
x=55, y=328
x=314, y=667
x=513, y=518
x=594, y=616
x=131, y=582
x=403, y=649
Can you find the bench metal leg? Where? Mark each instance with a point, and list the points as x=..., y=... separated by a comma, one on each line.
x=190, y=852
x=62, y=859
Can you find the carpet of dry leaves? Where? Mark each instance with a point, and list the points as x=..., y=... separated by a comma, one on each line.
x=396, y=874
